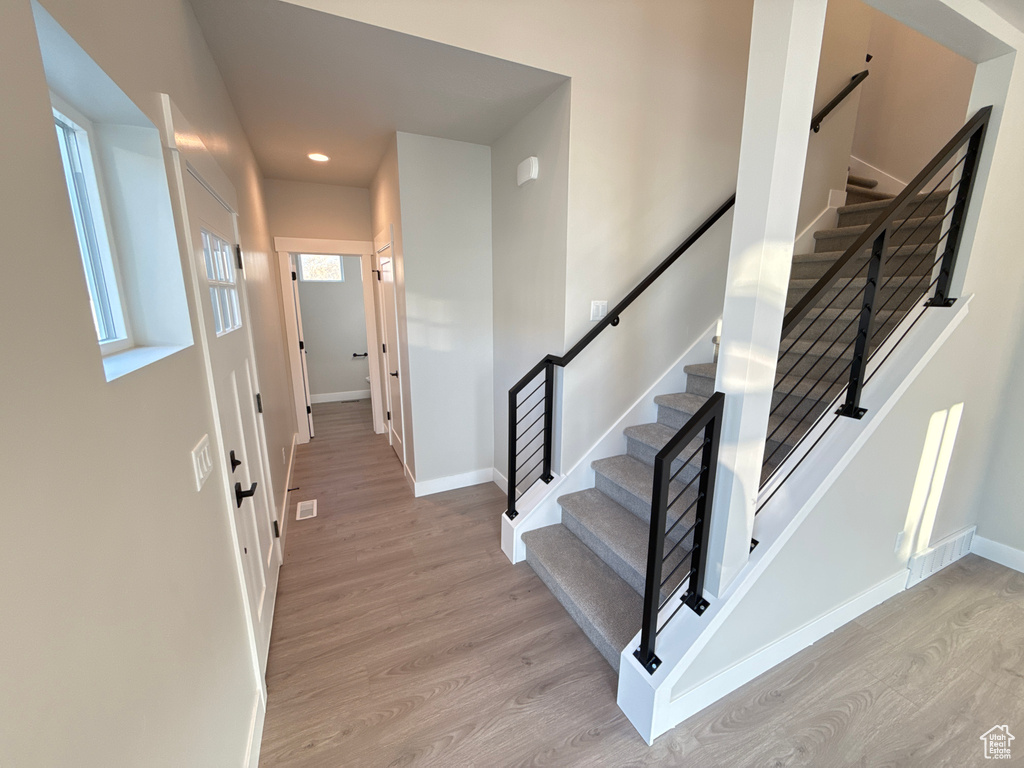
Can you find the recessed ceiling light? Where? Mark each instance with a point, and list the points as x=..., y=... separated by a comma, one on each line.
x=318, y=157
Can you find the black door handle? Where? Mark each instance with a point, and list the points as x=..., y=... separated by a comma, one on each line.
x=240, y=494
x=395, y=374
x=235, y=463
x=365, y=354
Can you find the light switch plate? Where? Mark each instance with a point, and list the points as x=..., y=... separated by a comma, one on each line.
x=598, y=309
x=202, y=462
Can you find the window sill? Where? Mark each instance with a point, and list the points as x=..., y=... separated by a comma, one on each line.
x=122, y=363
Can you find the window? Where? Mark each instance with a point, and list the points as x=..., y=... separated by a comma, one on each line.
x=321, y=268
x=116, y=174
x=83, y=190
x=220, y=274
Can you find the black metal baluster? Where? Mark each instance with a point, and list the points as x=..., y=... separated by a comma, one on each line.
x=511, y=511
x=702, y=529
x=549, y=408
x=859, y=365
x=955, y=233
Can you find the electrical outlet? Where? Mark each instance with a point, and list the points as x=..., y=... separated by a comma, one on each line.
x=202, y=462
x=899, y=542
x=598, y=309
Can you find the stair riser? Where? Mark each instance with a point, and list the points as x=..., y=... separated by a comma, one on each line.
x=907, y=262
x=698, y=384
x=646, y=453
x=927, y=233
x=825, y=330
x=854, y=196
x=610, y=654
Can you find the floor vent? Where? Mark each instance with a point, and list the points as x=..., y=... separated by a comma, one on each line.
x=938, y=557
x=305, y=510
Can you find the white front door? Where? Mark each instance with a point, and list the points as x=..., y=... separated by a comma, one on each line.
x=234, y=379
x=390, y=312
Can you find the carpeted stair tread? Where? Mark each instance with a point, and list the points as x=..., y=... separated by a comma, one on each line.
x=924, y=222
x=606, y=608
x=617, y=536
x=682, y=401
x=630, y=483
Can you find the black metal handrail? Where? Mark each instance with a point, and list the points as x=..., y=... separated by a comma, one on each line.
x=521, y=441
x=706, y=424
x=917, y=238
x=856, y=80
x=523, y=444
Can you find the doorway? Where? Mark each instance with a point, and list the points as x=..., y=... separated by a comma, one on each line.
x=331, y=326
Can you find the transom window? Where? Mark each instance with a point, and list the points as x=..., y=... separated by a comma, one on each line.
x=220, y=274
x=321, y=268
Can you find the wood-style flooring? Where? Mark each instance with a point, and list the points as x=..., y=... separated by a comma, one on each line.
x=404, y=637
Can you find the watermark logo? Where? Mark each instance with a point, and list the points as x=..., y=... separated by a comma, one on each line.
x=997, y=742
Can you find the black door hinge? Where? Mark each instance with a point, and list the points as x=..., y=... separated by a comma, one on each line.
x=389, y=415
x=277, y=530
x=309, y=409
x=302, y=344
x=238, y=255
x=294, y=276
x=384, y=348
x=377, y=271
x=259, y=403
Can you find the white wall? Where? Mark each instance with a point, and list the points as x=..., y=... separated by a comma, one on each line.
x=123, y=626
x=385, y=213
x=914, y=101
x=529, y=229
x=334, y=327
x=657, y=99
x=445, y=190
x=843, y=47
x=324, y=211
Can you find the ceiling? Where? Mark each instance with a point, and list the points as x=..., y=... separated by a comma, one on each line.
x=303, y=81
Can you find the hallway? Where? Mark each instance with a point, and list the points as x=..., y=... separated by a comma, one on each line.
x=403, y=636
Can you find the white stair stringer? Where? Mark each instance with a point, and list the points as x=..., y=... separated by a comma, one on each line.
x=679, y=688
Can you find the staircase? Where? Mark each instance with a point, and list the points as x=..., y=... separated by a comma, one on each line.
x=595, y=561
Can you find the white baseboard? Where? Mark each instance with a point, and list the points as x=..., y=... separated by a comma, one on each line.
x=340, y=397
x=252, y=750
x=282, y=516
x=499, y=479
x=998, y=553
x=728, y=681
x=450, y=483
x=827, y=219
x=890, y=185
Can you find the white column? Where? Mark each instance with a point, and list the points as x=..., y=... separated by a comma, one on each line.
x=785, y=42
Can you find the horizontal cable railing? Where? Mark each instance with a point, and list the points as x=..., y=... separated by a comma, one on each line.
x=909, y=249
x=684, y=486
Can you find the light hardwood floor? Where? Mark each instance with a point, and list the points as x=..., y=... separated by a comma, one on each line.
x=403, y=637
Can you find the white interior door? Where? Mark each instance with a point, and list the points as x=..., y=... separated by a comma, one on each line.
x=391, y=357
x=234, y=377
x=302, y=343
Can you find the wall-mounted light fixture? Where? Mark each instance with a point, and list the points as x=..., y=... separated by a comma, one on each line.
x=318, y=157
